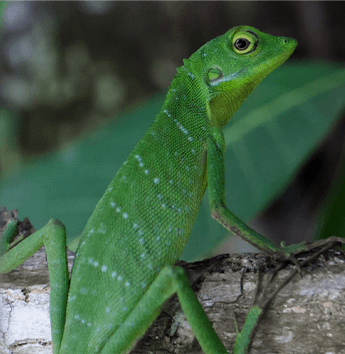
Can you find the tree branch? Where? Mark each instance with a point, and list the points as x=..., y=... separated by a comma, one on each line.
x=306, y=316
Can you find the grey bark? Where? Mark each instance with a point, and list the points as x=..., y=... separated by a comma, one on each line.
x=307, y=315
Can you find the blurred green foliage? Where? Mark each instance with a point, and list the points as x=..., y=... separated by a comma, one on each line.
x=332, y=211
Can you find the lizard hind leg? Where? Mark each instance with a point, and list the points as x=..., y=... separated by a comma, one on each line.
x=168, y=281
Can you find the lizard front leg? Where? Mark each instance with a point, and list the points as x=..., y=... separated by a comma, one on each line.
x=53, y=237
x=219, y=210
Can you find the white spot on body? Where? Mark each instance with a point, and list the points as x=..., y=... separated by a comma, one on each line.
x=167, y=113
x=181, y=127
x=92, y=262
x=102, y=228
x=156, y=180
x=104, y=268
x=125, y=215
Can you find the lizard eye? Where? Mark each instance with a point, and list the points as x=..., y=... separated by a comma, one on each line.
x=241, y=44
x=245, y=42
x=213, y=74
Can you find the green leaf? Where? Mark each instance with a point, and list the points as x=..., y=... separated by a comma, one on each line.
x=273, y=133
x=272, y=140
x=332, y=214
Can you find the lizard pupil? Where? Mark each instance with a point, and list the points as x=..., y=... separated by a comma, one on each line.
x=241, y=44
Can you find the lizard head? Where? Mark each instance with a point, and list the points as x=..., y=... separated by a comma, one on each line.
x=233, y=65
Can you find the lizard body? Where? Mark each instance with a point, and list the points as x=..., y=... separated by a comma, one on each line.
x=123, y=269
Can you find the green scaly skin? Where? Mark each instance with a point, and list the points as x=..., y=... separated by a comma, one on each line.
x=123, y=270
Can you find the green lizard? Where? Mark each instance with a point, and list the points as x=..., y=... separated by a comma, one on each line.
x=124, y=265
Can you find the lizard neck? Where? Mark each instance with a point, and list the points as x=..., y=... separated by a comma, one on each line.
x=185, y=104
